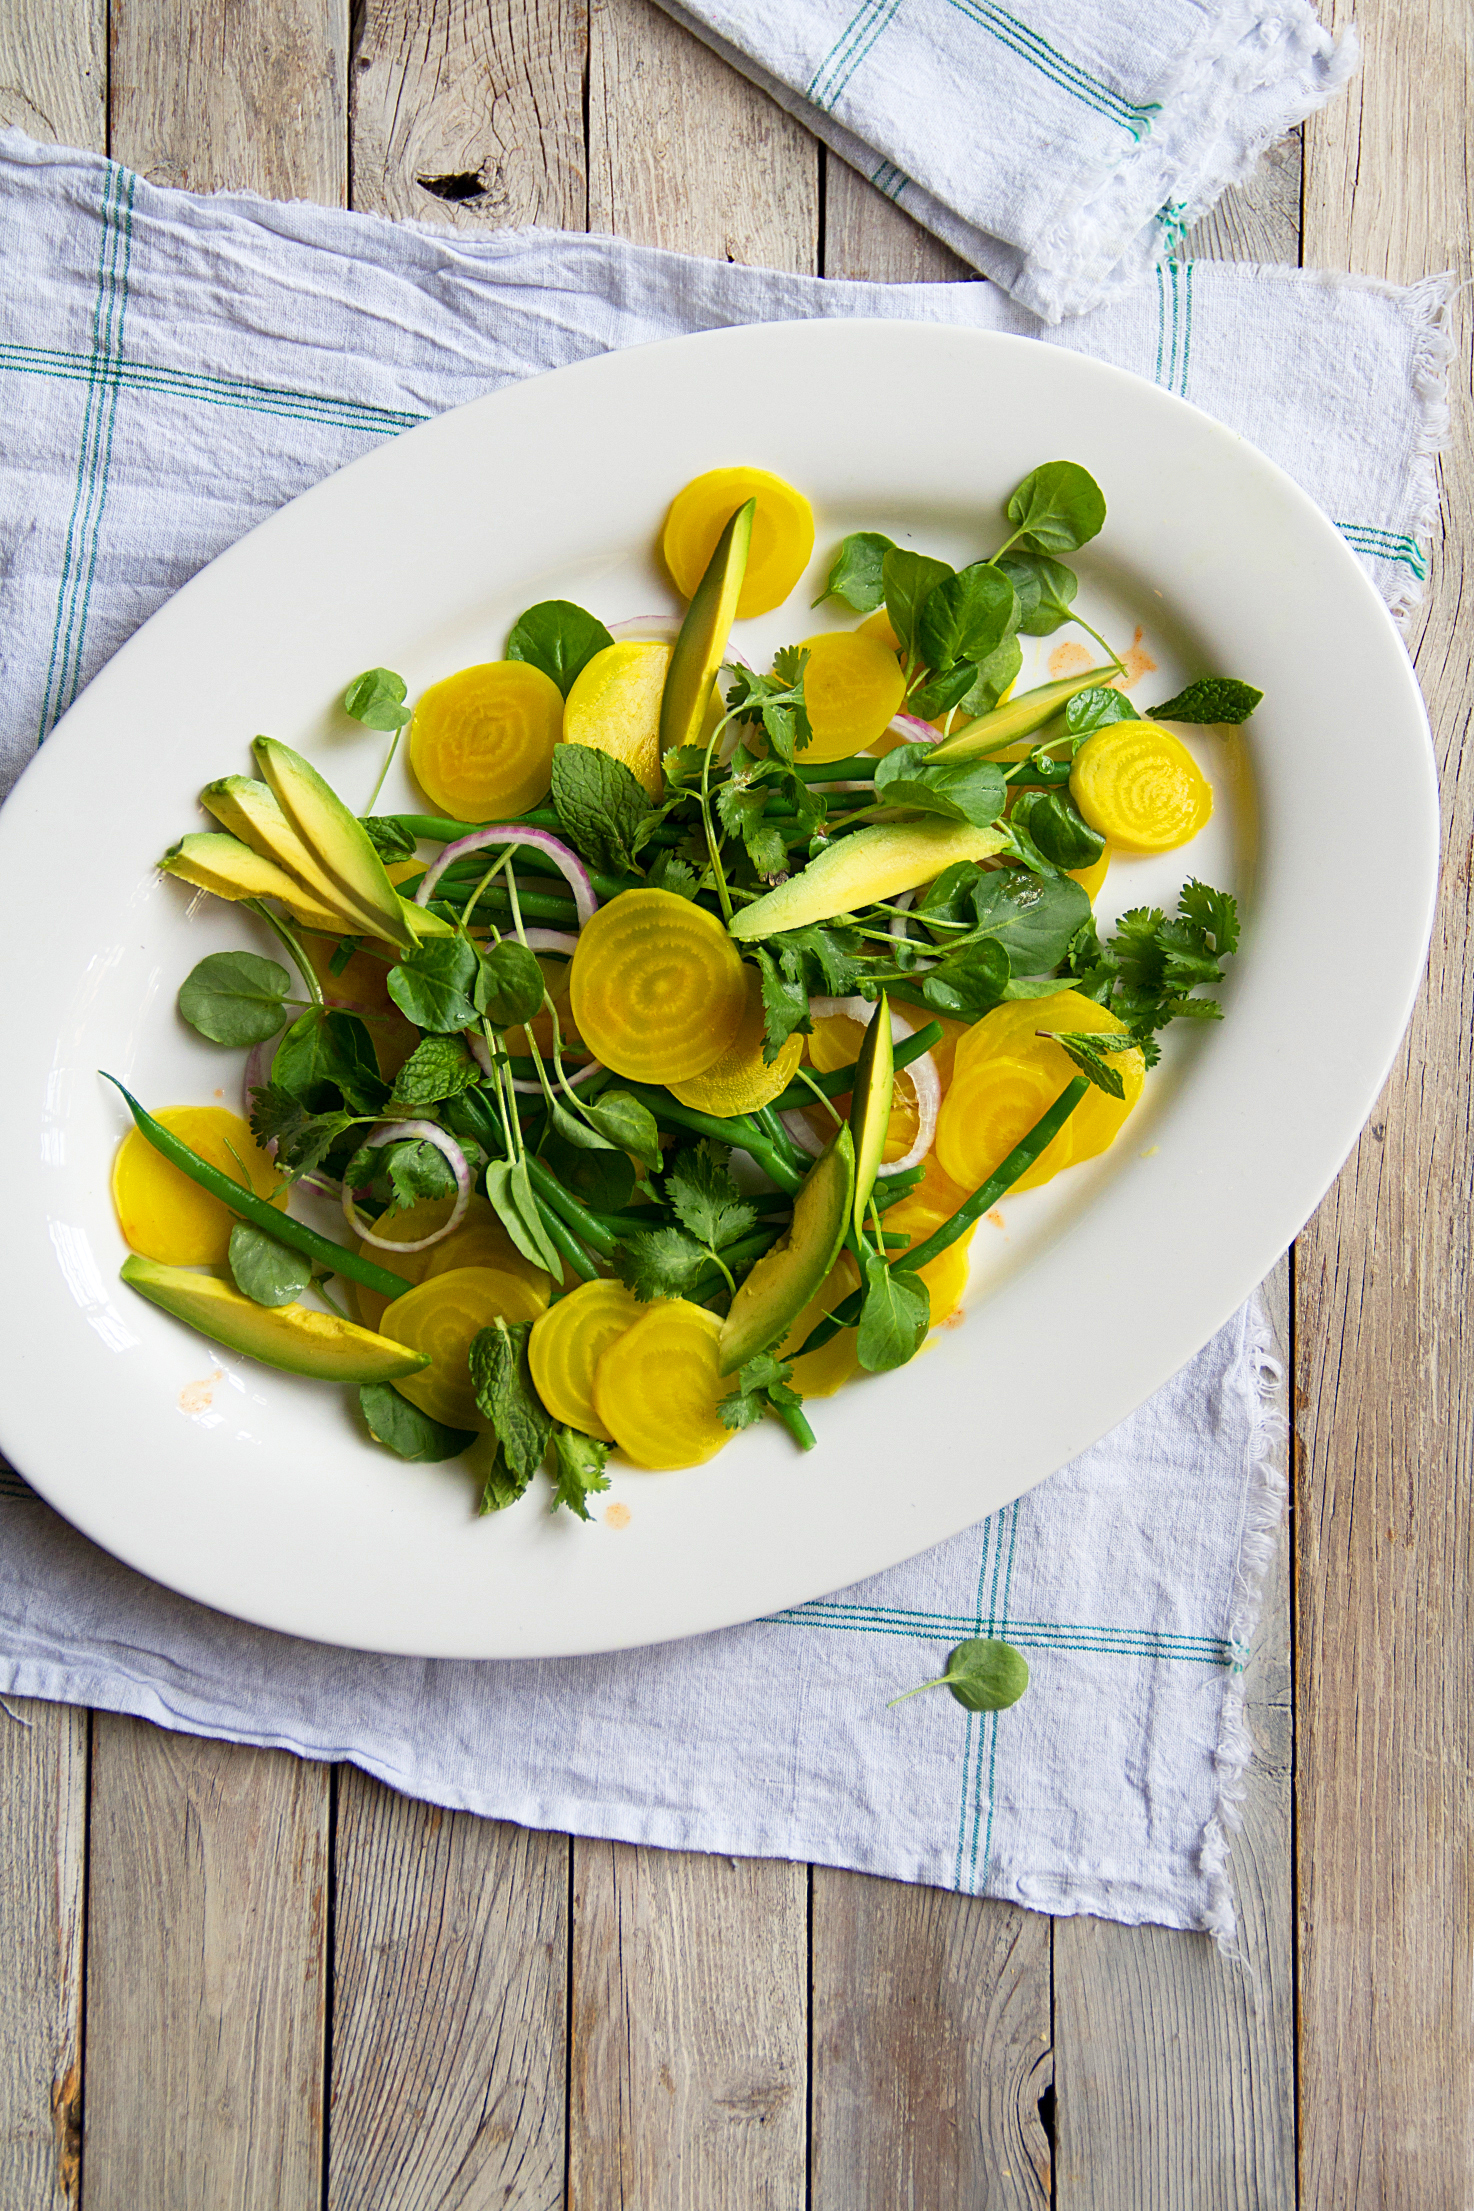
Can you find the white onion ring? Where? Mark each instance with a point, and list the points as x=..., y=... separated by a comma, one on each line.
x=657, y=629
x=899, y=935
x=926, y=1083
x=563, y=857
x=798, y=1128
x=424, y=1132
x=483, y=1059
x=257, y=1075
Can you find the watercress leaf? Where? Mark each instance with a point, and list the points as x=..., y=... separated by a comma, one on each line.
x=302, y=1065
x=376, y=698
x=353, y=1063
x=704, y=1197
x=1058, y=507
x=909, y=580
x=1020, y=987
x=235, y=998
x=1033, y=917
x=389, y=838
x=505, y=1393
x=1097, y=708
x=962, y=790
x=1214, y=699
x=509, y=984
x=574, y=1130
x=1212, y=912
x=949, y=898
x=856, y=574
x=1086, y=1052
x=938, y=696
x=403, y=1428
x=627, y=1124
x=969, y=983
x=432, y=986
x=510, y=1194
x=439, y=1067
x=558, y=637
x=1058, y=828
x=604, y=1180
x=985, y=1674
x=1046, y=591
x=264, y=1270
x=785, y=1005
x=966, y=616
x=894, y=1317
x=600, y=804
x=580, y=1461
x=658, y=1262
x=668, y=873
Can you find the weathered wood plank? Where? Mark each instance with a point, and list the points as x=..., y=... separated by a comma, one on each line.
x=207, y=95
x=1260, y=219
x=206, y=1975
x=866, y=235
x=470, y=115
x=685, y=153
x=449, y=2009
x=1385, y=1508
x=931, y=2049
x=53, y=70
x=43, y=1787
x=689, y=2031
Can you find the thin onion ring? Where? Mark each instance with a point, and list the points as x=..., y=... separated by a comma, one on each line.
x=563, y=857
x=422, y=1132
x=926, y=1083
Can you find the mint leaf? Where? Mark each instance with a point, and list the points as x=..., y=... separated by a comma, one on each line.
x=438, y=1067
x=401, y=1427
x=376, y=698
x=264, y=1270
x=1214, y=699
x=580, y=1462
x=855, y=575
x=235, y=998
x=558, y=637
x=388, y=838
x=600, y=804
x=704, y=1197
x=1086, y=1050
x=502, y=1381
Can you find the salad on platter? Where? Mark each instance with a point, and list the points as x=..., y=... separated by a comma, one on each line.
x=663, y=1066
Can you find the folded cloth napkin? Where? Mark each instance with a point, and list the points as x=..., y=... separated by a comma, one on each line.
x=1061, y=148
x=175, y=369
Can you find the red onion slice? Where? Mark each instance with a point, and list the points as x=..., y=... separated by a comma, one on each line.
x=425, y=1132
x=655, y=629
x=563, y=857
x=926, y=1083
x=482, y=1057
x=914, y=730
x=796, y=1123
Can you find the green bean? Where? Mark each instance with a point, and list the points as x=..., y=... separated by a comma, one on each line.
x=563, y=1240
x=587, y=1225
x=739, y=1130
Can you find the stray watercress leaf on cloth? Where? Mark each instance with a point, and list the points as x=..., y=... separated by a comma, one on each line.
x=704, y=1197
x=403, y=1428
x=973, y=791
x=433, y=985
x=1046, y=591
x=235, y=998
x=580, y=1462
x=509, y=984
x=909, y=580
x=502, y=1381
x=856, y=574
x=984, y=1674
x=265, y=1271
x=966, y=616
x=1058, y=507
x=894, y=1317
x=389, y=838
x=438, y=1067
x=600, y=804
x=558, y=637
x=376, y=698
x=658, y=1262
x=1214, y=699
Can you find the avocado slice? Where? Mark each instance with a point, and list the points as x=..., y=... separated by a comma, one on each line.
x=870, y=1105
x=214, y=862
x=703, y=638
x=862, y=867
x=249, y=811
x=779, y=1287
x=292, y=1337
x=336, y=838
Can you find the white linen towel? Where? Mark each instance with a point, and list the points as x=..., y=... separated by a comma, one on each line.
x=173, y=370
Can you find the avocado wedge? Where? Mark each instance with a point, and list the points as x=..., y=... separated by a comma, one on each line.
x=336, y=838
x=870, y=1105
x=215, y=862
x=703, y=638
x=291, y=1337
x=781, y=1284
x=249, y=810
x=865, y=866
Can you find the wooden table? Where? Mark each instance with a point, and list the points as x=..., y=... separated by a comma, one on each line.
x=229, y=1980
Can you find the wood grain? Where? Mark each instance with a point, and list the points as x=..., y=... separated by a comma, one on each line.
x=1258, y=220
x=43, y=1786
x=931, y=2049
x=1385, y=1508
x=449, y=2009
x=685, y=153
x=215, y=93
x=53, y=70
x=470, y=115
x=867, y=235
x=206, y=1983
x=689, y=2031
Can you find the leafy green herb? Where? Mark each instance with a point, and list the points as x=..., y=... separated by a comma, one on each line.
x=667, y=872
x=438, y=1067
x=1046, y=591
x=785, y=1004
x=510, y=1193
x=1152, y=968
x=1058, y=828
x=973, y=791
x=433, y=986
x=389, y=838
x=966, y=616
x=600, y=804
x=1089, y=1051
x=777, y=701
x=265, y=1271
x=658, y=1262
x=558, y=637
x=327, y=1050
x=302, y=1139
x=502, y=1381
x=894, y=1318
x=856, y=574
x=991, y=679
x=1214, y=699
x=909, y=580
x=376, y=698
x=763, y=1385
x=603, y=1179
x=623, y=1122
x=939, y=694
x=705, y=1199
x=402, y=1427
x=509, y=986
x=741, y=810
x=580, y=1461
x=1032, y=917
x=1058, y=507
x=984, y=1674
x=969, y=983
x=235, y=998
x=399, y=1174
x=1096, y=709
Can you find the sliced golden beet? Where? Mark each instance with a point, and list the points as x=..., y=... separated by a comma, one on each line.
x=440, y=1317
x=567, y=1343
x=782, y=534
x=615, y=707
x=658, y=989
x=658, y=1385
x=166, y=1216
x=481, y=743
x=742, y=1081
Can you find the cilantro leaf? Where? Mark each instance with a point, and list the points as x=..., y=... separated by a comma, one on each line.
x=1213, y=913
x=777, y=701
x=658, y=1262
x=439, y=1067
x=822, y=947
x=302, y=1139
x=667, y=873
x=502, y=1381
x=1214, y=699
x=600, y=804
x=763, y=1385
x=704, y=1197
x=740, y=809
x=785, y=1005
x=580, y=1463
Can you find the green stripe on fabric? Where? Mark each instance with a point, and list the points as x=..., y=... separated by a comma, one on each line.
x=1378, y=544
x=833, y=74
x=217, y=391
x=971, y=1734
x=890, y=180
x=1058, y=68
x=1187, y=324
x=1071, y=1635
x=106, y=458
